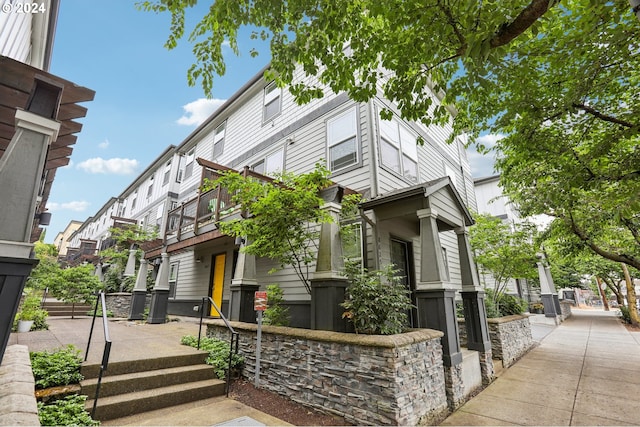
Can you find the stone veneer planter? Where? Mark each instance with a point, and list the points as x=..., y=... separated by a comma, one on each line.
x=367, y=379
x=119, y=303
x=510, y=337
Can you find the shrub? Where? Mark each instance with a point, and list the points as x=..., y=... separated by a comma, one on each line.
x=57, y=368
x=218, y=353
x=275, y=314
x=505, y=305
x=377, y=301
x=68, y=411
x=625, y=315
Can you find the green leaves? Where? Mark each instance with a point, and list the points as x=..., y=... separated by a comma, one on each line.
x=56, y=368
x=218, y=356
x=377, y=301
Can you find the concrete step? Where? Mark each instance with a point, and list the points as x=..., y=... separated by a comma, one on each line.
x=92, y=370
x=64, y=309
x=129, y=383
x=123, y=405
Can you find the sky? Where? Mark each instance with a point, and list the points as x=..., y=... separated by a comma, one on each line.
x=142, y=104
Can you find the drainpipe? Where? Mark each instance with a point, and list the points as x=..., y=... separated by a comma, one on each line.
x=374, y=177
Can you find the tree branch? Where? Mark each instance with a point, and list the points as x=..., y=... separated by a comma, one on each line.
x=623, y=258
x=603, y=117
x=519, y=25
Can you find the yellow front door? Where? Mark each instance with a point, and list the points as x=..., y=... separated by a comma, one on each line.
x=218, y=282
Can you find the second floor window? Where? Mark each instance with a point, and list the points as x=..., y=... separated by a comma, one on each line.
x=167, y=173
x=342, y=140
x=150, y=190
x=271, y=103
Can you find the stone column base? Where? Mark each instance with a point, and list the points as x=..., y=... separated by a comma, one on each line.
x=241, y=304
x=454, y=386
x=326, y=297
x=138, y=304
x=486, y=367
x=158, y=306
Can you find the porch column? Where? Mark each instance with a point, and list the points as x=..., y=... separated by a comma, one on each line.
x=473, y=301
x=436, y=304
x=546, y=292
x=21, y=174
x=130, y=268
x=556, y=300
x=328, y=285
x=139, y=294
x=160, y=293
x=243, y=287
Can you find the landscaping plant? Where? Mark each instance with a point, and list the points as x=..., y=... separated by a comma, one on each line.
x=377, y=301
x=275, y=314
x=56, y=368
x=30, y=310
x=67, y=411
x=218, y=353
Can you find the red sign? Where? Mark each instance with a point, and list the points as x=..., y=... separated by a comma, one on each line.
x=260, y=301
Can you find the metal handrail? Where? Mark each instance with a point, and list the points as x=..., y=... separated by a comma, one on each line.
x=107, y=345
x=235, y=337
x=45, y=293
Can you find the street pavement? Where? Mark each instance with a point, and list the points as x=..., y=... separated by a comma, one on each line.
x=584, y=372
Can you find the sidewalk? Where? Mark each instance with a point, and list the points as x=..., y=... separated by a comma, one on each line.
x=584, y=372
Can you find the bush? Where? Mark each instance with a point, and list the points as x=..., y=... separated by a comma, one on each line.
x=377, y=301
x=504, y=305
x=57, y=368
x=68, y=411
x=275, y=314
x=218, y=353
x=30, y=310
x=625, y=314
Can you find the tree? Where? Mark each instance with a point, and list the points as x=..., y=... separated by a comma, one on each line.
x=44, y=274
x=282, y=216
x=77, y=285
x=506, y=251
x=125, y=237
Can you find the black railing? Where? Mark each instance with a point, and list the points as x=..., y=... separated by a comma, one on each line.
x=45, y=293
x=233, y=344
x=107, y=345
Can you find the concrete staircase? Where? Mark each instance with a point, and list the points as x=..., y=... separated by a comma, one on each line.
x=59, y=308
x=136, y=386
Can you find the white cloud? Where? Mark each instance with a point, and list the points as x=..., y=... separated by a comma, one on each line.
x=197, y=111
x=76, y=206
x=482, y=164
x=104, y=144
x=114, y=166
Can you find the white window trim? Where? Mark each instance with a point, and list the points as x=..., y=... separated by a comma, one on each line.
x=263, y=160
x=271, y=93
x=398, y=145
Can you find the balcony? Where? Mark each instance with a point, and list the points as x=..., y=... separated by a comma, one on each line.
x=195, y=221
x=86, y=252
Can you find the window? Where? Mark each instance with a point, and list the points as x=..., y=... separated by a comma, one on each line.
x=188, y=169
x=351, y=234
x=271, y=103
x=159, y=214
x=399, y=149
x=173, y=278
x=133, y=200
x=342, y=137
x=150, y=189
x=167, y=173
x=270, y=164
x=218, y=141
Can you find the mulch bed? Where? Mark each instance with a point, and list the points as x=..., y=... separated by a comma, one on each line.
x=280, y=406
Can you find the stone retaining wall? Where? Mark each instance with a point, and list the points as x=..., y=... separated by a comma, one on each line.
x=565, y=308
x=119, y=303
x=17, y=402
x=367, y=379
x=510, y=338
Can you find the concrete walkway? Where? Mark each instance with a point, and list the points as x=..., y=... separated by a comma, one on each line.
x=584, y=372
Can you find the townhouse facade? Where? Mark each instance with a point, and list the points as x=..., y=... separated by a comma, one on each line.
x=415, y=212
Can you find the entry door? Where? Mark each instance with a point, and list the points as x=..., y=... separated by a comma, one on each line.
x=217, y=282
x=401, y=257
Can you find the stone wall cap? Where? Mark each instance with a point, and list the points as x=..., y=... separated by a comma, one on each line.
x=388, y=341
x=507, y=319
